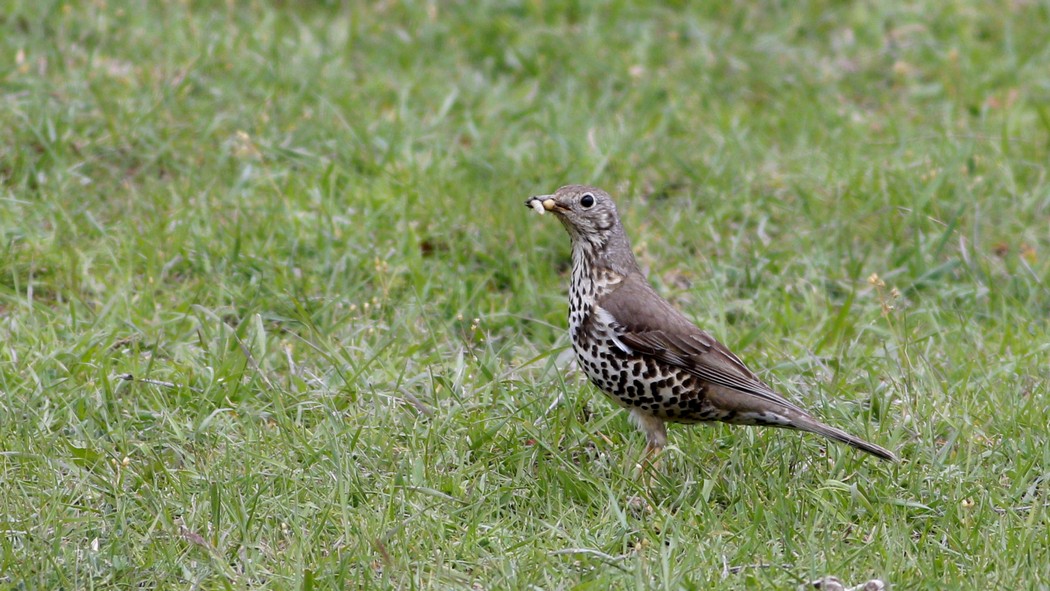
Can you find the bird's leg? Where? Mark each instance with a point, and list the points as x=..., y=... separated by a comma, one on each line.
x=652, y=450
x=655, y=435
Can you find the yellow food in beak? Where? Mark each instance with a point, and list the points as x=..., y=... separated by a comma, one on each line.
x=542, y=203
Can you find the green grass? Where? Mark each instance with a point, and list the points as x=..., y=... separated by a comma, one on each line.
x=299, y=227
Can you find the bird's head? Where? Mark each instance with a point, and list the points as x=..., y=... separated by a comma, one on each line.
x=588, y=213
x=590, y=216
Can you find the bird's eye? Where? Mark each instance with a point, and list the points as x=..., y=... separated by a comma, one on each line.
x=587, y=200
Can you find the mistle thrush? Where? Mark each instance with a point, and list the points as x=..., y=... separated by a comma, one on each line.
x=642, y=352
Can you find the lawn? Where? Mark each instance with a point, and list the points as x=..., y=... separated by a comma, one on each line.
x=274, y=314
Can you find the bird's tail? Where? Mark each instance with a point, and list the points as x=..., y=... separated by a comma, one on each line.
x=814, y=426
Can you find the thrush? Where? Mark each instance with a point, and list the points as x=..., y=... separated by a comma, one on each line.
x=642, y=352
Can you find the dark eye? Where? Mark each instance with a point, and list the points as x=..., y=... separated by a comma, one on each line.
x=587, y=200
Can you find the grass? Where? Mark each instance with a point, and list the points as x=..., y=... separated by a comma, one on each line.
x=275, y=317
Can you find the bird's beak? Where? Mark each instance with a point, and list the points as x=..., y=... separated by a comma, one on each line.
x=541, y=203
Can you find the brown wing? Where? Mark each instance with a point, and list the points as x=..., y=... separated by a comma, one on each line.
x=647, y=324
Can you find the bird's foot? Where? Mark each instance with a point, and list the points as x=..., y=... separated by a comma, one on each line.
x=649, y=462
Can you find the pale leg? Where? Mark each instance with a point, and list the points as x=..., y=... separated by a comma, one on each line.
x=655, y=433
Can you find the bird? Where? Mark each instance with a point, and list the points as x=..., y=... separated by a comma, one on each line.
x=646, y=355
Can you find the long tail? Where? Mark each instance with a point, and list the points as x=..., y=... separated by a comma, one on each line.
x=814, y=426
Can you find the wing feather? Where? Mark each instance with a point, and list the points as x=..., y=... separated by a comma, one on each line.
x=646, y=323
